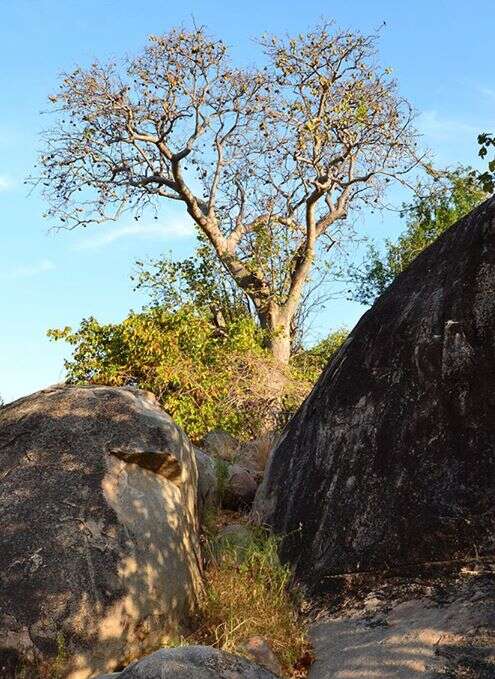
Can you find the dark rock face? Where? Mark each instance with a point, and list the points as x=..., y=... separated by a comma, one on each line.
x=391, y=459
x=99, y=550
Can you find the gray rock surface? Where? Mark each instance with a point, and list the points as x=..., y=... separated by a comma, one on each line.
x=445, y=633
x=390, y=461
x=194, y=662
x=99, y=555
x=221, y=444
x=254, y=454
x=242, y=484
x=207, y=482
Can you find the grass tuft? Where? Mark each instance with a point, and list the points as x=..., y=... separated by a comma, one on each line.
x=247, y=594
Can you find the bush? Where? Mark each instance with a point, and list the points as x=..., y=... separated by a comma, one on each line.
x=430, y=214
x=308, y=364
x=206, y=377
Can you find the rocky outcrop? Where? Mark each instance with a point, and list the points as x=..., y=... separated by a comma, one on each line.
x=99, y=558
x=390, y=461
x=194, y=662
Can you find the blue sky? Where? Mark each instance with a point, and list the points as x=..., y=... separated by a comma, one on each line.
x=441, y=52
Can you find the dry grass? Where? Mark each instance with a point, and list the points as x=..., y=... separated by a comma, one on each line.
x=247, y=594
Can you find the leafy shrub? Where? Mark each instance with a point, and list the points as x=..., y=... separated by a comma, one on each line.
x=308, y=364
x=428, y=217
x=193, y=370
x=205, y=377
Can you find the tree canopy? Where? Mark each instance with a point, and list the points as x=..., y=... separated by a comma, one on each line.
x=268, y=162
x=487, y=178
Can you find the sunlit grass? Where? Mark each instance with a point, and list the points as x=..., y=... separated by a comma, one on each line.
x=248, y=593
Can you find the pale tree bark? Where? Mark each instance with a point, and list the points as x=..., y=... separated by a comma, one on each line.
x=278, y=326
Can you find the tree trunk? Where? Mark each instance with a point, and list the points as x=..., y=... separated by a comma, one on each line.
x=277, y=327
x=280, y=346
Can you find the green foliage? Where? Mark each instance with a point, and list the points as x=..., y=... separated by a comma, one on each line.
x=222, y=478
x=308, y=364
x=428, y=216
x=205, y=377
x=180, y=356
x=248, y=593
x=200, y=280
x=487, y=178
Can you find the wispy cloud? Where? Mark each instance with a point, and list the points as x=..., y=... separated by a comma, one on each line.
x=100, y=239
x=487, y=92
x=439, y=128
x=5, y=183
x=27, y=270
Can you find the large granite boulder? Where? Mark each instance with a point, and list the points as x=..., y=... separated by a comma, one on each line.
x=194, y=662
x=99, y=557
x=391, y=459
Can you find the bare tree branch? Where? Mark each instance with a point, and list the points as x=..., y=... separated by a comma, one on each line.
x=266, y=162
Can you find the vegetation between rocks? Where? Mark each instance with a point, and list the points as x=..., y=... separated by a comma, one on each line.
x=247, y=594
x=205, y=379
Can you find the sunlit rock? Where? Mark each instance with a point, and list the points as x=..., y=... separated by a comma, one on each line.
x=99, y=557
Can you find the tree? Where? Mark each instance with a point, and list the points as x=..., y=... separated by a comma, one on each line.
x=200, y=281
x=268, y=163
x=451, y=196
x=487, y=178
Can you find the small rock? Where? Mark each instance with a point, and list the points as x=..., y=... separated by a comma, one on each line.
x=221, y=444
x=372, y=602
x=254, y=454
x=194, y=662
x=242, y=485
x=260, y=651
